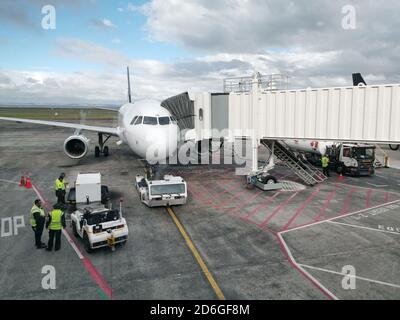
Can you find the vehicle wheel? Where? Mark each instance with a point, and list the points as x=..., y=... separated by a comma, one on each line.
x=339, y=170
x=269, y=180
x=87, y=243
x=394, y=147
x=74, y=231
x=106, y=152
x=97, y=151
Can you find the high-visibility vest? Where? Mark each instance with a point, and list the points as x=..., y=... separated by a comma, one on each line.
x=60, y=184
x=55, y=223
x=35, y=209
x=325, y=161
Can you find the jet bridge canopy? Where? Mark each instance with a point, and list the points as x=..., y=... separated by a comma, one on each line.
x=357, y=114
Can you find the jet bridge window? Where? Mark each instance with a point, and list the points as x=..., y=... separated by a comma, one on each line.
x=163, y=121
x=150, y=120
x=138, y=120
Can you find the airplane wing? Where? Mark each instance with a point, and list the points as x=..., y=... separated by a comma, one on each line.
x=107, y=130
x=107, y=109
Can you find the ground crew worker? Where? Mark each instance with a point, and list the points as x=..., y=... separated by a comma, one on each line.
x=37, y=219
x=55, y=223
x=60, y=189
x=325, y=165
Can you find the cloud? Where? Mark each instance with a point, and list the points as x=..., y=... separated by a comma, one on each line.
x=73, y=48
x=104, y=23
x=116, y=40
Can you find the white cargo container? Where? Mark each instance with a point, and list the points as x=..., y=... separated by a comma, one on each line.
x=88, y=187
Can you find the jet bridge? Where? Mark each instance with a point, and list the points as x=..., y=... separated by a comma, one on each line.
x=364, y=113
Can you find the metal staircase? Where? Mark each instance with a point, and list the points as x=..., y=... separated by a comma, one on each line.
x=303, y=169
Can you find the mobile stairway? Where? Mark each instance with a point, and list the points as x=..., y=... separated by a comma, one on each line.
x=303, y=169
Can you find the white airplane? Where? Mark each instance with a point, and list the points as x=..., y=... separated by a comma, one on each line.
x=148, y=128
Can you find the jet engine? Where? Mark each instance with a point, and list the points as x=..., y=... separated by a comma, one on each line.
x=76, y=147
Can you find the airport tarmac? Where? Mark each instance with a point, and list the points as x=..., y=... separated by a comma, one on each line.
x=256, y=245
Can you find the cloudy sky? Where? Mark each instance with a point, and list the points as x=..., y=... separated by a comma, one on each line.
x=178, y=45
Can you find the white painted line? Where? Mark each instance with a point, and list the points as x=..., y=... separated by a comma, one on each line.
x=71, y=242
x=348, y=275
x=377, y=185
x=341, y=216
x=362, y=227
x=316, y=282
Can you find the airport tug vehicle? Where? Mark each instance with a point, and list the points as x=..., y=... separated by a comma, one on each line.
x=170, y=191
x=97, y=225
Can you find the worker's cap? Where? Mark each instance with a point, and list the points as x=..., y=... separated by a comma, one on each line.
x=62, y=174
x=57, y=206
x=37, y=201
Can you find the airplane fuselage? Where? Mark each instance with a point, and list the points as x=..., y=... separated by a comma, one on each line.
x=148, y=129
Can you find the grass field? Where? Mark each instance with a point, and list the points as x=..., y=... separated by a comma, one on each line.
x=58, y=113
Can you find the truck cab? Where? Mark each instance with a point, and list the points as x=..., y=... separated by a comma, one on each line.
x=352, y=159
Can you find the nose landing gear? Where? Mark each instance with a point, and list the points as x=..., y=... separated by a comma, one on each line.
x=101, y=148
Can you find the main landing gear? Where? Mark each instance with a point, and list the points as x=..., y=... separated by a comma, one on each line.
x=101, y=148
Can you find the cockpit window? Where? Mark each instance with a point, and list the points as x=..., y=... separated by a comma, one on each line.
x=163, y=121
x=173, y=119
x=138, y=120
x=150, y=120
x=133, y=120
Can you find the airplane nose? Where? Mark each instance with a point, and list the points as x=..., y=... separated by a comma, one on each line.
x=163, y=144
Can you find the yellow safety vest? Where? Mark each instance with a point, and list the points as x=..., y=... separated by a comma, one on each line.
x=325, y=162
x=60, y=184
x=55, y=223
x=35, y=209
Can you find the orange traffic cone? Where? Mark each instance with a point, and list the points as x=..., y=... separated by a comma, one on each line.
x=22, y=182
x=28, y=184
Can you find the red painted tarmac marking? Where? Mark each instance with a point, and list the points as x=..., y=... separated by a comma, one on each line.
x=234, y=197
x=264, y=223
x=295, y=266
x=262, y=204
x=327, y=202
x=199, y=195
x=368, y=199
x=302, y=207
x=347, y=202
x=233, y=187
x=96, y=276
x=250, y=199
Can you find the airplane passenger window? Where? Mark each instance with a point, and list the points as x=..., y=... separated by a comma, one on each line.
x=133, y=120
x=150, y=120
x=139, y=120
x=163, y=121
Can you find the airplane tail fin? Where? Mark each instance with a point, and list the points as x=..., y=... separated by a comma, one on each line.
x=357, y=79
x=129, y=85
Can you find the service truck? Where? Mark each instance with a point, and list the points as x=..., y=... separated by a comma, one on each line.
x=344, y=158
x=93, y=222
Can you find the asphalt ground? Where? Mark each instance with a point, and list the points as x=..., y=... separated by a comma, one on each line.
x=256, y=245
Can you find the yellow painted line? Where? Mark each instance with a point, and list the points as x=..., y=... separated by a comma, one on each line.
x=196, y=254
